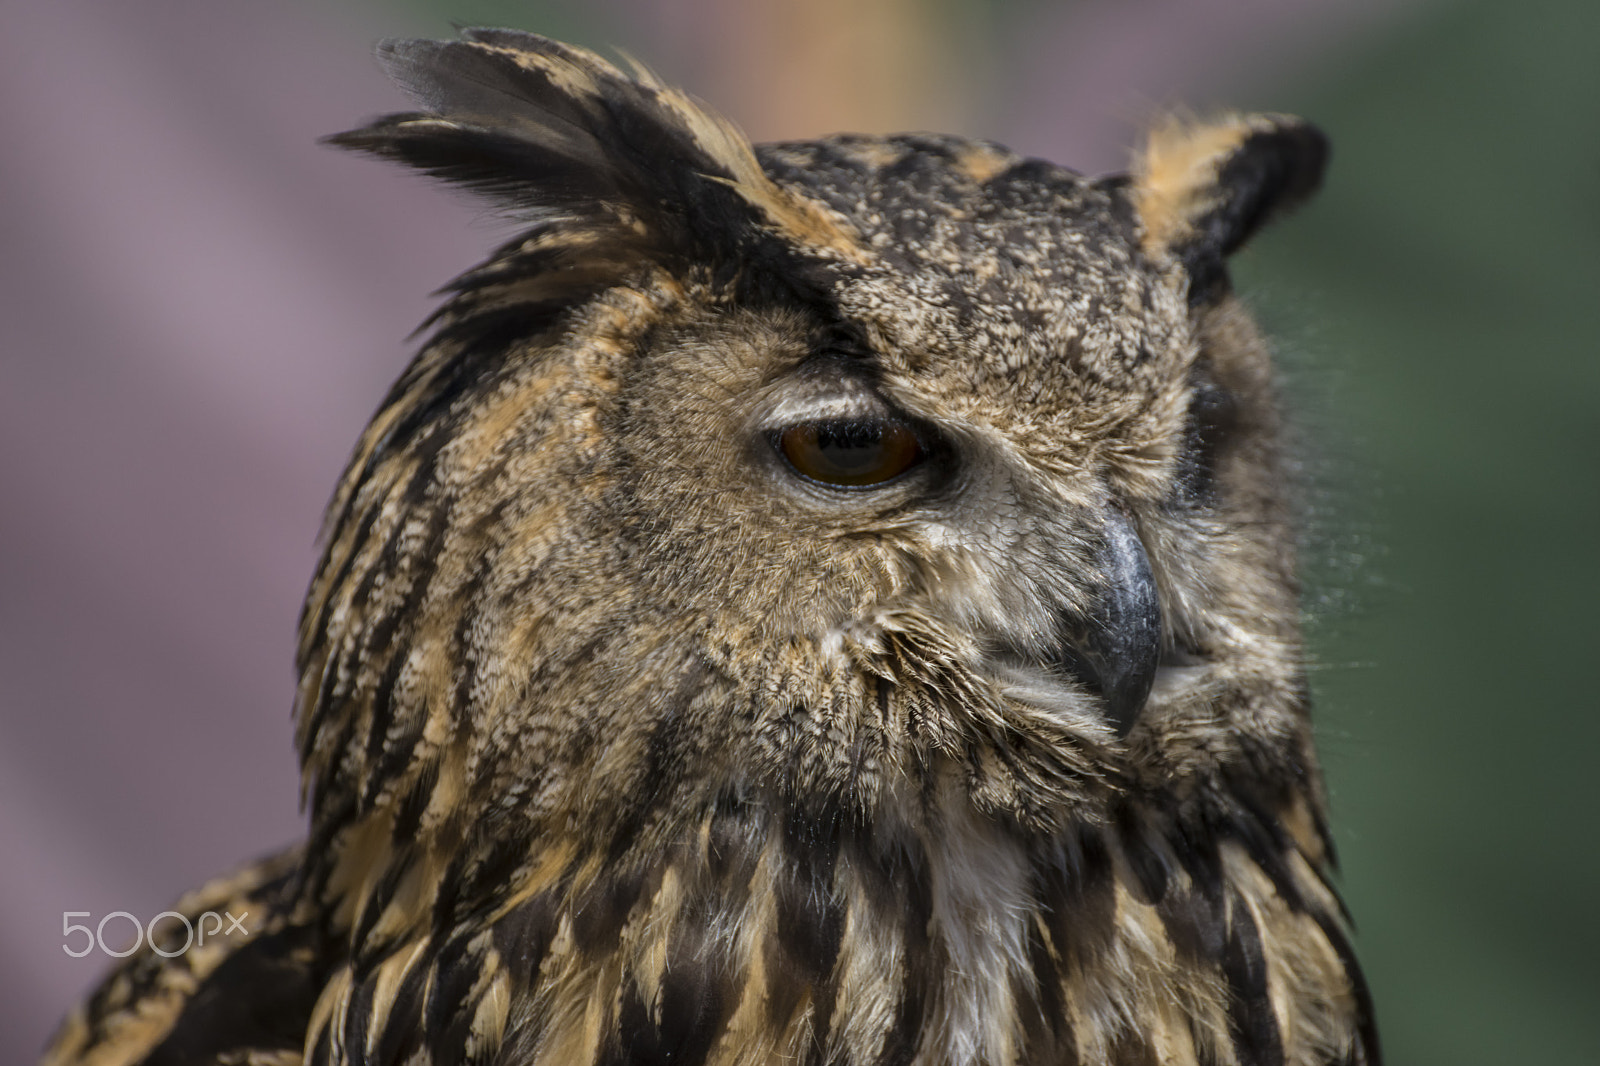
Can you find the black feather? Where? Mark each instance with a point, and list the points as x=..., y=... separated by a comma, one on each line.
x=1272, y=171
x=559, y=136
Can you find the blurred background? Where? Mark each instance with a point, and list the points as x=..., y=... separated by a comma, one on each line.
x=199, y=308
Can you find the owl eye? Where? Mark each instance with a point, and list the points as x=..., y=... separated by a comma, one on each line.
x=850, y=453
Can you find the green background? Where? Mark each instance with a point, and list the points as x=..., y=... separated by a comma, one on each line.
x=1444, y=292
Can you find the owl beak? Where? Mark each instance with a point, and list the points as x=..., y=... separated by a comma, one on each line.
x=1114, y=650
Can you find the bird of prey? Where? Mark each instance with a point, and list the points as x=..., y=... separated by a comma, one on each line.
x=828, y=603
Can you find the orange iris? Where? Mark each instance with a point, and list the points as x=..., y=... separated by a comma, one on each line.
x=851, y=454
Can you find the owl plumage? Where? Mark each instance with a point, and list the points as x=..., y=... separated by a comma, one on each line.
x=828, y=602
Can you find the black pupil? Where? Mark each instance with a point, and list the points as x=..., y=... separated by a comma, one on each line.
x=852, y=448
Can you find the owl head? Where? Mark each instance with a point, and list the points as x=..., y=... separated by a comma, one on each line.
x=847, y=477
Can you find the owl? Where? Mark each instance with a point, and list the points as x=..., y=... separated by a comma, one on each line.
x=824, y=603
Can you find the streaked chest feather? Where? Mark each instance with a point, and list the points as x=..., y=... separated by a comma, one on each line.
x=930, y=937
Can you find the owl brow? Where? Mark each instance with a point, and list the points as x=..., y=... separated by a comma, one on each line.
x=829, y=408
x=826, y=386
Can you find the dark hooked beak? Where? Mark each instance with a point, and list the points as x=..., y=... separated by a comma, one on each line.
x=1115, y=650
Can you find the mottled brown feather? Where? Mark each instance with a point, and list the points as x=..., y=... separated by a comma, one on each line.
x=622, y=743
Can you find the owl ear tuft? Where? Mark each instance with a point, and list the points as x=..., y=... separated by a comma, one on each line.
x=562, y=138
x=1202, y=189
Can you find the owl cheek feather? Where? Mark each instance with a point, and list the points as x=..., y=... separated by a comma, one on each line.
x=1115, y=647
x=1201, y=190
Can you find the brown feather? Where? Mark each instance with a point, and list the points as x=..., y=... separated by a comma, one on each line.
x=623, y=742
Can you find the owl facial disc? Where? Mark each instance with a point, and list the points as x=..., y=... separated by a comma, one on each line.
x=1115, y=649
